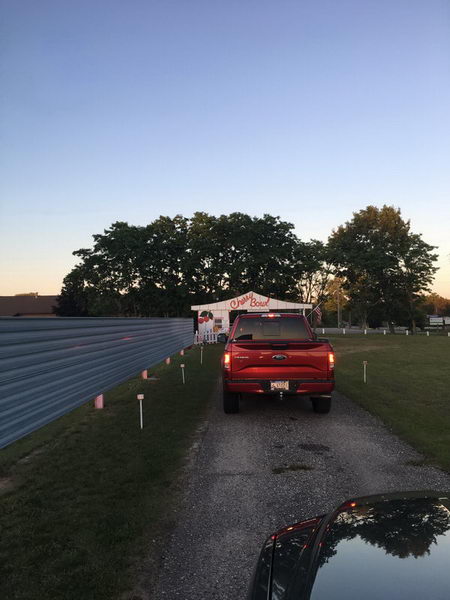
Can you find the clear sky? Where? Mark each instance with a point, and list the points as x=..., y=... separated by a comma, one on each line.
x=309, y=110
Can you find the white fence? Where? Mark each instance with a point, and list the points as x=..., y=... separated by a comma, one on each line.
x=208, y=338
x=211, y=338
x=398, y=330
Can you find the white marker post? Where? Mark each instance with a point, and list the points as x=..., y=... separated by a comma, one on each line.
x=182, y=372
x=144, y=374
x=140, y=397
x=98, y=402
x=201, y=354
x=168, y=360
x=407, y=332
x=365, y=371
x=181, y=352
x=365, y=331
x=323, y=331
x=343, y=331
x=428, y=334
x=384, y=331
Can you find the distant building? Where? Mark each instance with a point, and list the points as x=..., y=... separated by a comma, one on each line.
x=27, y=305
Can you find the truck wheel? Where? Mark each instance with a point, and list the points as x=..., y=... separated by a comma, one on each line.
x=321, y=405
x=230, y=402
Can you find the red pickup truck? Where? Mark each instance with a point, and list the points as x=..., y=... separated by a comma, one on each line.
x=276, y=353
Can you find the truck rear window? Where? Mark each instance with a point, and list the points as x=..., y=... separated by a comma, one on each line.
x=286, y=328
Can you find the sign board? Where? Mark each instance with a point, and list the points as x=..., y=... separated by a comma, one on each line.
x=438, y=321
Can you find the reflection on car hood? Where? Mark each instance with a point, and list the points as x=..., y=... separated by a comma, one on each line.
x=395, y=546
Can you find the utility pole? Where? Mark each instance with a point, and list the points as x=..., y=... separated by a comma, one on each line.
x=338, y=291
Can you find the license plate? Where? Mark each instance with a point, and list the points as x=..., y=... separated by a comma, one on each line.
x=279, y=385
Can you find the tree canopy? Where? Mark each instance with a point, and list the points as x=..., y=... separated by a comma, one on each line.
x=386, y=268
x=378, y=266
x=165, y=267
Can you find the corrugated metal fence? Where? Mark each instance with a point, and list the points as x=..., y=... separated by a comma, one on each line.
x=50, y=366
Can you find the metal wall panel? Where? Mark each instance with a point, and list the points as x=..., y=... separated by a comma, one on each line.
x=48, y=367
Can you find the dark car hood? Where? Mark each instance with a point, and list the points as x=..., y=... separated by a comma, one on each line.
x=387, y=547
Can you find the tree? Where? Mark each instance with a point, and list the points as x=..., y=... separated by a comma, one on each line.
x=400, y=528
x=434, y=304
x=172, y=263
x=205, y=258
x=383, y=263
x=73, y=300
x=161, y=269
x=314, y=271
x=336, y=302
x=257, y=254
x=416, y=274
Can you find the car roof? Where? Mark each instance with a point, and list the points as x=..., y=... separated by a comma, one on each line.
x=386, y=546
x=396, y=549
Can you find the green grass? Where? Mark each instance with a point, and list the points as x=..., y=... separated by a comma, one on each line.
x=408, y=386
x=90, y=491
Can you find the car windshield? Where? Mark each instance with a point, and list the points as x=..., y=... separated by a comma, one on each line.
x=265, y=328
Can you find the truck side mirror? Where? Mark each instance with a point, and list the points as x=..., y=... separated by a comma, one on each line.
x=222, y=338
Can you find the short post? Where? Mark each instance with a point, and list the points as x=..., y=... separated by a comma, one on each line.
x=365, y=331
x=168, y=360
x=140, y=397
x=181, y=352
x=182, y=372
x=384, y=331
x=323, y=331
x=448, y=334
x=428, y=334
x=407, y=332
x=365, y=371
x=98, y=402
x=144, y=374
x=201, y=354
x=343, y=331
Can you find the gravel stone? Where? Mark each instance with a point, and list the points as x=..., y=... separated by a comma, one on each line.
x=234, y=500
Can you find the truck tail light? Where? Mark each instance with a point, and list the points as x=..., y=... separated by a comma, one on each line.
x=226, y=360
x=331, y=360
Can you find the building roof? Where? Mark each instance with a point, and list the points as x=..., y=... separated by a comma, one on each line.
x=252, y=302
x=23, y=306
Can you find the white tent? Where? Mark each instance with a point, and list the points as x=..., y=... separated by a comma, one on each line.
x=215, y=316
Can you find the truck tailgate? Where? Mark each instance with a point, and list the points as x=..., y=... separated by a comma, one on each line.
x=294, y=360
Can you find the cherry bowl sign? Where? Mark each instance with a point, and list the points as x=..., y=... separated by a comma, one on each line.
x=250, y=300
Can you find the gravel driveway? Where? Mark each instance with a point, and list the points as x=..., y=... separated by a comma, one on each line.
x=273, y=464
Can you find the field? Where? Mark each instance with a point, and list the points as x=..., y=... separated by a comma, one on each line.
x=408, y=386
x=84, y=495
x=85, y=499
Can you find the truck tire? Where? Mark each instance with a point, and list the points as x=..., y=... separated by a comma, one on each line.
x=230, y=402
x=321, y=405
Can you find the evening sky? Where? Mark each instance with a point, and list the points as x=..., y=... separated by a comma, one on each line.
x=128, y=110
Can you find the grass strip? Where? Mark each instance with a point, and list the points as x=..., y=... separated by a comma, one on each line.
x=408, y=386
x=82, y=496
